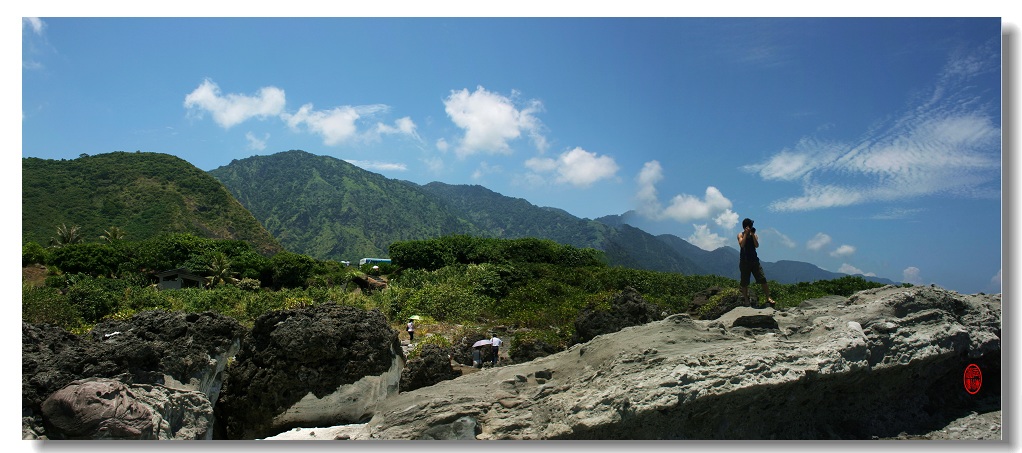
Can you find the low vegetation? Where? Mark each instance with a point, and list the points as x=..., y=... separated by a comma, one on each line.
x=534, y=287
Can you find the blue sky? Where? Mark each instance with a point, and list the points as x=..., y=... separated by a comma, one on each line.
x=866, y=145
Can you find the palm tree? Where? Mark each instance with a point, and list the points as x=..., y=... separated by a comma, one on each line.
x=219, y=269
x=67, y=236
x=112, y=235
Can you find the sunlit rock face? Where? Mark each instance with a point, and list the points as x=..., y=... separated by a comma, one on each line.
x=881, y=363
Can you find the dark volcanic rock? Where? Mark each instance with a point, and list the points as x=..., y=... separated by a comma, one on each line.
x=183, y=351
x=325, y=364
x=431, y=366
x=525, y=350
x=756, y=322
x=627, y=309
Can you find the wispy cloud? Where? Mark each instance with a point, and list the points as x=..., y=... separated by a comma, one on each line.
x=233, y=109
x=483, y=169
x=491, y=120
x=852, y=270
x=256, y=143
x=577, y=167
x=897, y=213
x=947, y=144
x=781, y=237
x=818, y=242
x=33, y=24
x=377, y=165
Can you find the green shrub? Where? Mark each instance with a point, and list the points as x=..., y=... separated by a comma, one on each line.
x=48, y=306
x=33, y=253
x=438, y=340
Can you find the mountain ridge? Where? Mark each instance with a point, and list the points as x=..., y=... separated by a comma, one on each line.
x=463, y=209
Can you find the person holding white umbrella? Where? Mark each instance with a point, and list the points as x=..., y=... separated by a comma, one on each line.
x=495, y=344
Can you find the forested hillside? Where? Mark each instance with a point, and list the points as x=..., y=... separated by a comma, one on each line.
x=329, y=209
x=140, y=194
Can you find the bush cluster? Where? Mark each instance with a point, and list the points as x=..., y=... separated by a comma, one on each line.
x=528, y=285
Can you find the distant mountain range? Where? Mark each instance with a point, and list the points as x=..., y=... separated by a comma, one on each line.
x=330, y=209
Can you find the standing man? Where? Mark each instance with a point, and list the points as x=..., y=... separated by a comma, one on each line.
x=749, y=261
x=495, y=345
x=411, y=330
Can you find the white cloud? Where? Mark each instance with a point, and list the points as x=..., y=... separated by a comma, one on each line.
x=442, y=145
x=995, y=281
x=491, y=120
x=403, y=126
x=818, y=242
x=948, y=144
x=233, y=109
x=378, y=166
x=336, y=125
x=648, y=203
x=577, y=167
x=726, y=219
x=842, y=251
x=705, y=239
x=852, y=270
x=912, y=275
x=33, y=23
x=684, y=207
x=256, y=143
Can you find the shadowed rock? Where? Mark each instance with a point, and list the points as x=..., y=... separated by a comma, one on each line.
x=316, y=366
x=628, y=308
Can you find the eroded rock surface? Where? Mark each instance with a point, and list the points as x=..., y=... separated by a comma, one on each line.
x=182, y=352
x=321, y=365
x=107, y=409
x=880, y=364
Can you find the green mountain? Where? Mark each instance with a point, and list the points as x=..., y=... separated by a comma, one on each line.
x=143, y=194
x=329, y=209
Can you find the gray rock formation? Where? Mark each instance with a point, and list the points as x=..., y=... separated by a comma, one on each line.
x=107, y=409
x=325, y=364
x=182, y=352
x=883, y=363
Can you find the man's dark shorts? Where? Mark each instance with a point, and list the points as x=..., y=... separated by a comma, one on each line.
x=751, y=267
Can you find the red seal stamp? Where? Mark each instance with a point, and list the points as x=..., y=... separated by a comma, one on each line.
x=973, y=379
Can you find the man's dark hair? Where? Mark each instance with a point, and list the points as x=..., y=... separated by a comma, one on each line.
x=746, y=223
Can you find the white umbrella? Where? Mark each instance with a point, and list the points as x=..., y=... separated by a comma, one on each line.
x=480, y=343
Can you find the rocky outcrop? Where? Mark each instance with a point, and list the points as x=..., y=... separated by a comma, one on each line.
x=432, y=365
x=321, y=365
x=107, y=409
x=880, y=364
x=627, y=308
x=179, y=352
